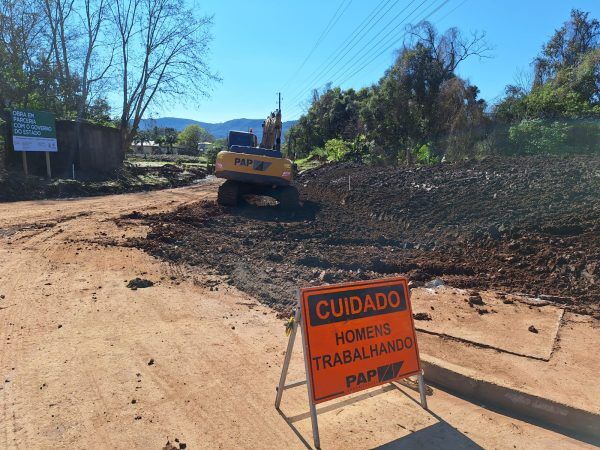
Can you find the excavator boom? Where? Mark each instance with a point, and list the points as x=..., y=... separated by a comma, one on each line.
x=271, y=138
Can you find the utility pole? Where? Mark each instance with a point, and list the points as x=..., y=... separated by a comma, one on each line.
x=279, y=101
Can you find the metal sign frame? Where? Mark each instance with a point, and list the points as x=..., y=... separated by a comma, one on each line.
x=286, y=363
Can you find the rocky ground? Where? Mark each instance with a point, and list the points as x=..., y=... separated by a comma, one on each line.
x=528, y=224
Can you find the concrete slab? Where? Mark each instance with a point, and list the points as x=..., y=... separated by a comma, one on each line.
x=567, y=378
x=513, y=327
x=580, y=423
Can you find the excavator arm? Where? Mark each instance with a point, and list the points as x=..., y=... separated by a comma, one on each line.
x=271, y=138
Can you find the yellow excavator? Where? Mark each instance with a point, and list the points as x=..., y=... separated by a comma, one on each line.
x=249, y=168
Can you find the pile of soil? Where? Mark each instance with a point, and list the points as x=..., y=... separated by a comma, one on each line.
x=15, y=186
x=528, y=225
x=139, y=283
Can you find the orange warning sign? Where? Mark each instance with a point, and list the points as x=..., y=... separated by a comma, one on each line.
x=358, y=335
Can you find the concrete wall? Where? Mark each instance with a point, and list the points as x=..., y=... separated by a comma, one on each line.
x=99, y=148
x=99, y=151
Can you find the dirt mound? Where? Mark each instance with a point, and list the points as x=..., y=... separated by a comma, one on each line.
x=15, y=186
x=529, y=225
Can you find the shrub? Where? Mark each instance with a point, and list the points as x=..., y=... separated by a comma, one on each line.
x=424, y=155
x=336, y=149
x=536, y=136
x=211, y=153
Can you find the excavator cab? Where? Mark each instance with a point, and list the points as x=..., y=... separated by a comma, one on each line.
x=242, y=139
x=252, y=169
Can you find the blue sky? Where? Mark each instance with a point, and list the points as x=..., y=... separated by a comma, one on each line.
x=260, y=45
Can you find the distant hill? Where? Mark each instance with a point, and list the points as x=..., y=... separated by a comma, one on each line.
x=218, y=130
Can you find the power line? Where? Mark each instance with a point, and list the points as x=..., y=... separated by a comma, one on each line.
x=391, y=43
x=357, y=33
x=332, y=22
x=453, y=9
x=361, y=53
x=325, y=73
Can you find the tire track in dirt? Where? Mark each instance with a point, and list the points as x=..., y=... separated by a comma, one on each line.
x=40, y=247
x=25, y=270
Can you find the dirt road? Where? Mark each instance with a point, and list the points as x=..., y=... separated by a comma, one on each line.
x=88, y=363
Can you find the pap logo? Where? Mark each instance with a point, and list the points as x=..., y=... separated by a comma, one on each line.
x=256, y=165
x=381, y=375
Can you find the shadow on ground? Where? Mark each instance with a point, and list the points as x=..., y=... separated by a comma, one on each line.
x=274, y=214
x=439, y=435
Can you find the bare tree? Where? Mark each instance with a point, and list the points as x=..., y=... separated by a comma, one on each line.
x=58, y=14
x=77, y=49
x=163, y=52
x=94, y=66
x=450, y=48
x=523, y=80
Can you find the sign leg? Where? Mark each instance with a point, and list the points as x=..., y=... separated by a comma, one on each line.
x=315, y=424
x=25, y=169
x=313, y=408
x=48, y=169
x=288, y=357
x=422, y=390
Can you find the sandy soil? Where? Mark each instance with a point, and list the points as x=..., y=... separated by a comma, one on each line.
x=88, y=363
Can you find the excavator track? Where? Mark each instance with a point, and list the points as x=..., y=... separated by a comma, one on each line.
x=229, y=193
x=288, y=197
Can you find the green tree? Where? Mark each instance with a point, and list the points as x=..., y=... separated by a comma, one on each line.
x=192, y=135
x=50, y=56
x=418, y=101
x=141, y=137
x=566, y=76
x=217, y=146
x=334, y=113
x=156, y=133
x=336, y=149
x=559, y=112
x=568, y=47
x=170, y=138
x=21, y=38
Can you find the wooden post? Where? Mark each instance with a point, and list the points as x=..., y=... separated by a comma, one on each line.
x=24, y=155
x=48, y=168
